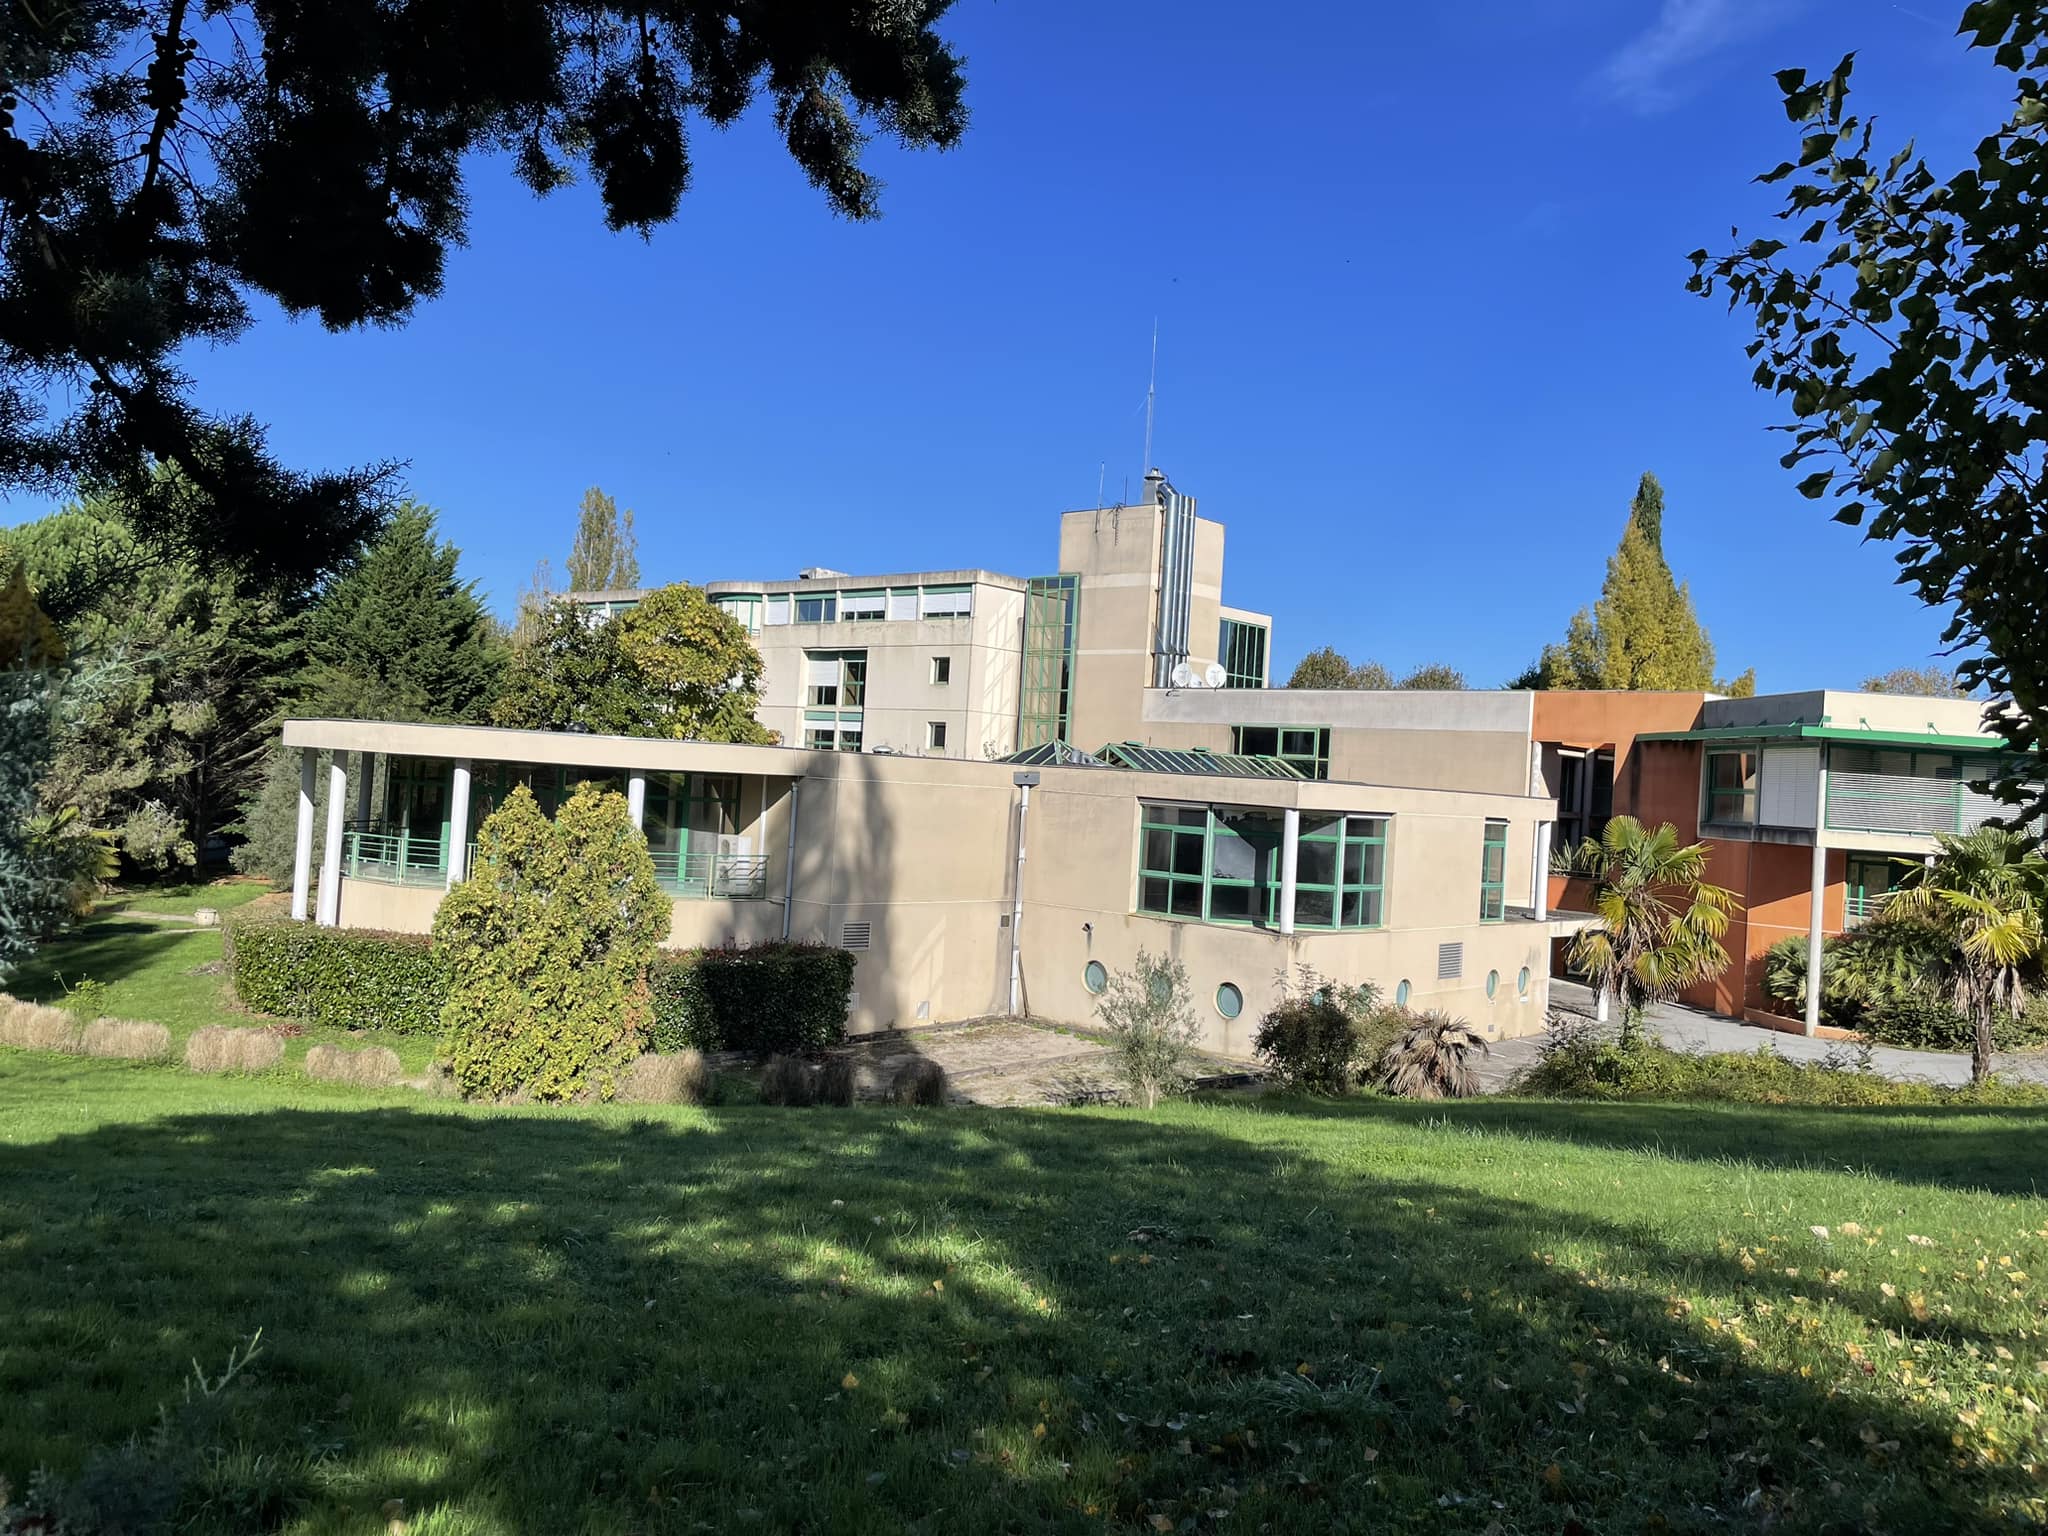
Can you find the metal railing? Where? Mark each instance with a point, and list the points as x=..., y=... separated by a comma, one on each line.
x=1861, y=907
x=713, y=876
x=395, y=858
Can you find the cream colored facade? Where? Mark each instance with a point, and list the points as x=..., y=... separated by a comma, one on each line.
x=912, y=863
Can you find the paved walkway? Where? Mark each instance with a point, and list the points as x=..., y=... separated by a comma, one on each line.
x=1684, y=1028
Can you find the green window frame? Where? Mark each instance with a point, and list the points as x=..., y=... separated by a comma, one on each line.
x=1221, y=864
x=1493, y=873
x=1241, y=647
x=1174, y=861
x=1052, y=606
x=1731, y=780
x=817, y=608
x=1307, y=747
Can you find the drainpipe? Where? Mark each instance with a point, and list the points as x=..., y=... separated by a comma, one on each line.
x=1539, y=895
x=789, y=861
x=1023, y=781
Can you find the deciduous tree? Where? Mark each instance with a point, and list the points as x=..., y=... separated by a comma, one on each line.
x=1329, y=668
x=1923, y=682
x=605, y=555
x=1902, y=326
x=164, y=163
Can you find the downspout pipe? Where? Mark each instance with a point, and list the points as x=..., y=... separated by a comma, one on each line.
x=1023, y=781
x=789, y=861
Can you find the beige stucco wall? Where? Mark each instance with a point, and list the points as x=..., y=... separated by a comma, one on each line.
x=923, y=851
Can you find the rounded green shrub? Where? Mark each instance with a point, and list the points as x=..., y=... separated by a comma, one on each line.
x=547, y=947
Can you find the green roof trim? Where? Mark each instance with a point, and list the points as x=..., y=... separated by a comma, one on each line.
x=1801, y=732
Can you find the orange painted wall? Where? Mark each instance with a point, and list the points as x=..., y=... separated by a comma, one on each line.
x=1659, y=781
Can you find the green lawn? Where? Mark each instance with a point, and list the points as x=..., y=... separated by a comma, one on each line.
x=172, y=974
x=184, y=900
x=1510, y=1317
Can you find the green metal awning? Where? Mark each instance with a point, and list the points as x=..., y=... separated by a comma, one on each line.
x=1131, y=754
x=1800, y=732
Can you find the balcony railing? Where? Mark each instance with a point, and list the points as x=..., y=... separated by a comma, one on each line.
x=1860, y=907
x=396, y=858
x=712, y=876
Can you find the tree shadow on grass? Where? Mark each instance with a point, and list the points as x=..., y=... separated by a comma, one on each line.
x=2001, y=1150
x=106, y=950
x=871, y=1320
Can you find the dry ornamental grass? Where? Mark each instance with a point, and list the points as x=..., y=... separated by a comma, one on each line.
x=675, y=1079
x=33, y=1027
x=374, y=1066
x=789, y=1081
x=219, y=1049
x=129, y=1038
x=836, y=1082
x=921, y=1081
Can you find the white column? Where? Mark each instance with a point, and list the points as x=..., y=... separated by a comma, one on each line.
x=1539, y=877
x=1813, y=934
x=458, y=824
x=636, y=799
x=330, y=850
x=302, y=851
x=1290, y=860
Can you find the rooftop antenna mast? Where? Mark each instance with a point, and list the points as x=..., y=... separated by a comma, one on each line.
x=1151, y=393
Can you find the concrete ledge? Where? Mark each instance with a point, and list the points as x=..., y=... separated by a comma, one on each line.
x=1785, y=1026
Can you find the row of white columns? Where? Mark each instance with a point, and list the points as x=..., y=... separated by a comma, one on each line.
x=327, y=899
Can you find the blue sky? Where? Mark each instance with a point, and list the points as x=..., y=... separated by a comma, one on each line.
x=1417, y=272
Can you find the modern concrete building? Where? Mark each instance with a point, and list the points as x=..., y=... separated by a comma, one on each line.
x=969, y=888
x=970, y=664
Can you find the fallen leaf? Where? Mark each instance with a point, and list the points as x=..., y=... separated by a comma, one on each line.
x=849, y=1381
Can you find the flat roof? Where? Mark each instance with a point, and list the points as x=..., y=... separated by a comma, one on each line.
x=971, y=577
x=1793, y=731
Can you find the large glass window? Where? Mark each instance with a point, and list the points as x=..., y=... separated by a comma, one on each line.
x=1307, y=747
x=1731, y=788
x=835, y=679
x=817, y=610
x=1493, y=873
x=1241, y=647
x=1222, y=864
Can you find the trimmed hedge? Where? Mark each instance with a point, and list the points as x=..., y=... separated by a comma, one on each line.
x=349, y=978
x=766, y=998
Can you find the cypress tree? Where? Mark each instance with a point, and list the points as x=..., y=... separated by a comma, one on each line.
x=606, y=554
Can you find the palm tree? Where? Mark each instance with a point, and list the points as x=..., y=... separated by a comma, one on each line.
x=1987, y=891
x=1660, y=921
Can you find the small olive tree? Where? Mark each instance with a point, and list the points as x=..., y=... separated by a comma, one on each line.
x=1152, y=1027
x=547, y=945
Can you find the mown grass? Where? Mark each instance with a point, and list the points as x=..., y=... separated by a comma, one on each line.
x=173, y=975
x=183, y=900
x=1289, y=1318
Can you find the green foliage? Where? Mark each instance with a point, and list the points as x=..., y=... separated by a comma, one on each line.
x=547, y=947
x=86, y=998
x=80, y=859
x=1900, y=325
x=1151, y=1027
x=1320, y=1035
x=36, y=879
x=270, y=818
x=765, y=998
x=1427, y=1060
x=1329, y=668
x=1920, y=682
x=191, y=667
x=1586, y=1063
x=1889, y=980
x=1642, y=633
x=1661, y=922
x=399, y=635
x=1986, y=893
x=605, y=556
x=676, y=666
x=344, y=978
x=1434, y=676
x=164, y=182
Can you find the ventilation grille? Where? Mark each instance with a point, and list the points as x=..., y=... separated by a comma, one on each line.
x=856, y=935
x=1450, y=962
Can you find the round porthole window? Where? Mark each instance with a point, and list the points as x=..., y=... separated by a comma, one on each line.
x=1492, y=983
x=1401, y=993
x=1229, y=1001
x=1522, y=983
x=1094, y=977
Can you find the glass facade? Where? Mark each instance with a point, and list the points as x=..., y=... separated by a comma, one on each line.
x=1493, y=873
x=1052, y=607
x=1221, y=864
x=1241, y=647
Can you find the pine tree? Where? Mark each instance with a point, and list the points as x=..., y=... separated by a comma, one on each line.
x=400, y=636
x=32, y=900
x=605, y=556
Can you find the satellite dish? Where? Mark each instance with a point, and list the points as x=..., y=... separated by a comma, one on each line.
x=1215, y=676
x=1183, y=675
